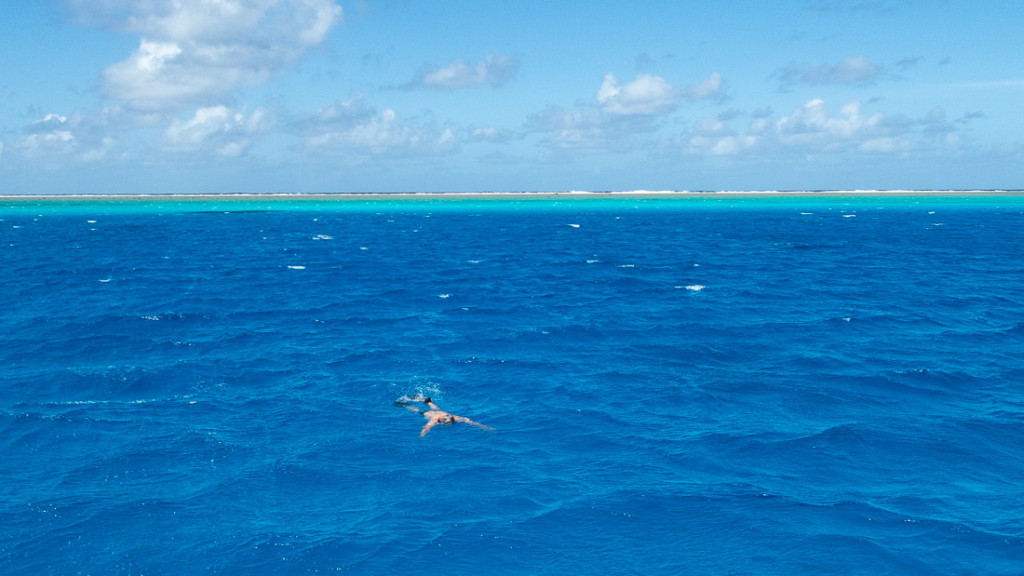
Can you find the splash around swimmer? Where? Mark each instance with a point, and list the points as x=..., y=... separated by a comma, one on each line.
x=435, y=416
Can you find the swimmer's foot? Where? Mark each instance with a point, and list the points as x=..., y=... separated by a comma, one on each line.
x=420, y=398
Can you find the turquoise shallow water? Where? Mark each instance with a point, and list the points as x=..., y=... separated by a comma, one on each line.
x=678, y=386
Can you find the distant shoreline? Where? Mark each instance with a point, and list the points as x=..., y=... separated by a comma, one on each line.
x=501, y=195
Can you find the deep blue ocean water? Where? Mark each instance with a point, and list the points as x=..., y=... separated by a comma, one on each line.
x=811, y=385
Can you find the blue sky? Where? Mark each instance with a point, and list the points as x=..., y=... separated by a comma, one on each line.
x=201, y=96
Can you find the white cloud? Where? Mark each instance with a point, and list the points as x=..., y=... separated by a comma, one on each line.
x=495, y=70
x=711, y=87
x=215, y=128
x=490, y=134
x=852, y=70
x=351, y=128
x=812, y=128
x=648, y=94
x=812, y=125
x=715, y=137
x=886, y=145
x=99, y=152
x=586, y=128
x=193, y=51
x=48, y=136
x=645, y=95
x=620, y=113
x=88, y=135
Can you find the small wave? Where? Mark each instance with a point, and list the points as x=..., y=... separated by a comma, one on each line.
x=297, y=267
x=323, y=237
x=98, y=402
x=695, y=287
x=1016, y=330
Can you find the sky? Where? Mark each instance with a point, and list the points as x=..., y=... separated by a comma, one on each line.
x=309, y=96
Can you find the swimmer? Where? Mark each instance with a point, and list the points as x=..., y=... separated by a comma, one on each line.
x=435, y=415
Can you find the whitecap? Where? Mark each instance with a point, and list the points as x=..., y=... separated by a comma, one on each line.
x=152, y=317
x=695, y=287
x=574, y=225
x=363, y=248
x=90, y=221
x=444, y=295
x=105, y=280
x=323, y=237
x=849, y=215
x=592, y=261
x=627, y=265
x=297, y=267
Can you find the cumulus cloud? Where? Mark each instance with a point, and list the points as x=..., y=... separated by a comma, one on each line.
x=77, y=136
x=648, y=94
x=712, y=87
x=351, y=128
x=645, y=95
x=812, y=128
x=620, y=112
x=490, y=134
x=811, y=124
x=216, y=128
x=853, y=70
x=192, y=51
x=49, y=135
x=587, y=128
x=495, y=70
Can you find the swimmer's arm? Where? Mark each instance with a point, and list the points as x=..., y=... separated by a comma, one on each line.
x=468, y=421
x=430, y=403
x=427, y=428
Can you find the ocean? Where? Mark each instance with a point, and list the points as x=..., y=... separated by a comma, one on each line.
x=704, y=384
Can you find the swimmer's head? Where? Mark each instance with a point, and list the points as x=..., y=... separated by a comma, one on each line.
x=446, y=419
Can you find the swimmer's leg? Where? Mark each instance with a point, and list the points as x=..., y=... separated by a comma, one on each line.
x=403, y=402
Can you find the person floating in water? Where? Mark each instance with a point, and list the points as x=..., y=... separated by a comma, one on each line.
x=435, y=415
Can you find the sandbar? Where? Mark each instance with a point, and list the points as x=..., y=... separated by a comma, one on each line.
x=523, y=195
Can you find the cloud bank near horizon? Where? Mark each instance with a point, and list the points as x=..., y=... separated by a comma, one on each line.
x=256, y=84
